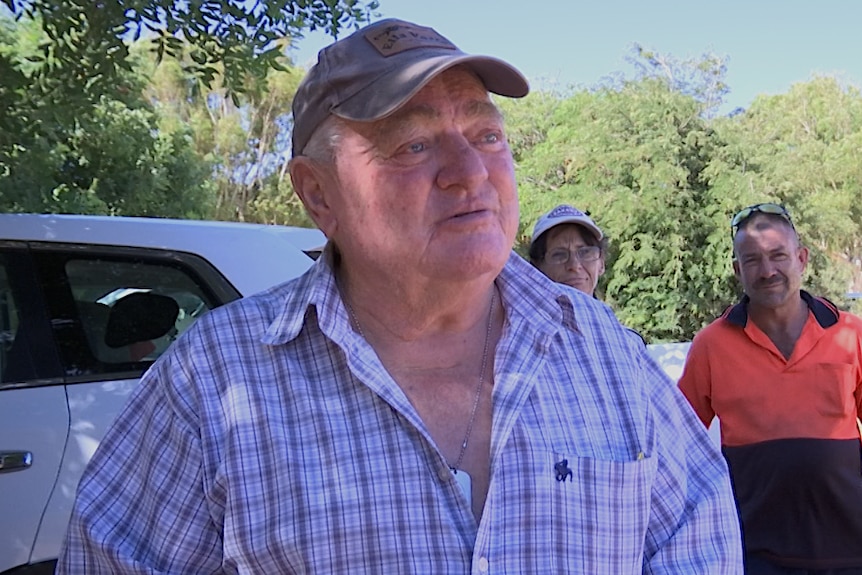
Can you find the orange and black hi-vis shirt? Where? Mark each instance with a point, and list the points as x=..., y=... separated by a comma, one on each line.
x=789, y=431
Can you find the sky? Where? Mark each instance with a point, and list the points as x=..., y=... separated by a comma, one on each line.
x=769, y=45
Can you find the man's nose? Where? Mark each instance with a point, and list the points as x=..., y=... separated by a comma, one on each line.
x=461, y=164
x=768, y=268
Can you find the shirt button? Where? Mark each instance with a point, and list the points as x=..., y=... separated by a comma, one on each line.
x=483, y=565
x=444, y=473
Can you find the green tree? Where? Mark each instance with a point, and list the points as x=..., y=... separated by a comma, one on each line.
x=702, y=78
x=248, y=145
x=663, y=174
x=642, y=157
x=804, y=149
x=87, y=45
x=66, y=65
x=112, y=159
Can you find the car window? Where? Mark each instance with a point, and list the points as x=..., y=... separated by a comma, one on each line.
x=114, y=311
x=132, y=311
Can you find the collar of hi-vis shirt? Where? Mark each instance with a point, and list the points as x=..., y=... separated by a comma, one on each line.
x=822, y=315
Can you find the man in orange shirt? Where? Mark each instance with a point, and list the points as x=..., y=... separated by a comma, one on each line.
x=782, y=370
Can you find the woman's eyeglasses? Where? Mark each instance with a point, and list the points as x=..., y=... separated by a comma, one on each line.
x=766, y=208
x=562, y=256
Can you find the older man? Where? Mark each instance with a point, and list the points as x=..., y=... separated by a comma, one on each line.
x=783, y=372
x=415, y=403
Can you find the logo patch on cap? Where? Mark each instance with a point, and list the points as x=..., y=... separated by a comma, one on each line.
x=562, y=211
x=397, y=38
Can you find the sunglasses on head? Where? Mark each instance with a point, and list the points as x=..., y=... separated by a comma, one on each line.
x=766, y=208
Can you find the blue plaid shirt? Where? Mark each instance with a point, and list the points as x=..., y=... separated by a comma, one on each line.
x=270, y=439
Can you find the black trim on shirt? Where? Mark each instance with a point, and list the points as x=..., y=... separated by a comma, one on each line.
x=825, y=312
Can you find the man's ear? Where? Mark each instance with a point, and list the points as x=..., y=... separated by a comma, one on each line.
x=736, y=270
x=314, y=183
x=803, y=254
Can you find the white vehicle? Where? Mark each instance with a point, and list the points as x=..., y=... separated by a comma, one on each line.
x=86, y=305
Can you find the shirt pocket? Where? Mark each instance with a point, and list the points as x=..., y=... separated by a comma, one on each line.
x=837, y=383
x=590, y=511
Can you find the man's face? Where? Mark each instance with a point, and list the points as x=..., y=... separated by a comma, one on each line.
x=769, y=262
x=429, y=190
x=582, y=275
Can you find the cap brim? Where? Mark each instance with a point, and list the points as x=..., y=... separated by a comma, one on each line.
x=541, y=229
x=393, y=89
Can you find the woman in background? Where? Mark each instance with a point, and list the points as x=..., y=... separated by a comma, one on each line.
x=568, y=247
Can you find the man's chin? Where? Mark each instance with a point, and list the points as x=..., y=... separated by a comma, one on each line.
x=466, y=263
x=769, y=299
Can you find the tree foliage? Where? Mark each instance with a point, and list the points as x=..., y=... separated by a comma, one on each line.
x=806, y=150
x=81, y=129
x=659, y=170
x=247, y=145
x=663, y=176
x=639, y=158
x=703, y=78
x=87, y=45
x=112, y=159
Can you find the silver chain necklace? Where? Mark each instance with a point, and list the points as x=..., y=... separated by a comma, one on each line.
x=481, y=371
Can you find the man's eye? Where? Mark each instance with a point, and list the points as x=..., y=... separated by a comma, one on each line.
x=492, y=138
x=416, y=147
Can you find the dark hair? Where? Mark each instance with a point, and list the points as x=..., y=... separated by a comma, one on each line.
x=539, y=247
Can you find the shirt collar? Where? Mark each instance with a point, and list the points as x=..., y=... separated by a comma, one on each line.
x=540, y=300
x=824, y=310
x=525, y=291
x=313, y=294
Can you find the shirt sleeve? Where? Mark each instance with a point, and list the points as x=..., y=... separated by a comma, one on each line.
x=694, y=526
x=695, y=382
x=140, y=506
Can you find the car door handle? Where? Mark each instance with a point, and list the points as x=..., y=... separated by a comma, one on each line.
x=15, y=461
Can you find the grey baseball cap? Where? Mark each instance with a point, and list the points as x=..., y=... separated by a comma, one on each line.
x=565, y=214
x=374, y=71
